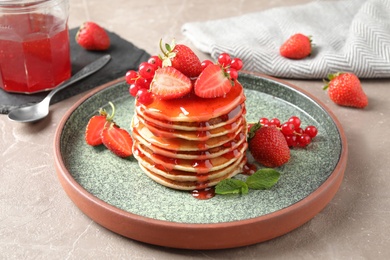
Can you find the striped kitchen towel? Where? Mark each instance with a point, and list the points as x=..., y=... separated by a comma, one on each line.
x=348, y=35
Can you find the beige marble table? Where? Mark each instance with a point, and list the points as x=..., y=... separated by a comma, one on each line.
x=39, y=221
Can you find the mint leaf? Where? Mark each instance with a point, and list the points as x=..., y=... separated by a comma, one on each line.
x=231, y=186
x=263, y=179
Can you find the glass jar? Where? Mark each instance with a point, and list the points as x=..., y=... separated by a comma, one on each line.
x=34, y=45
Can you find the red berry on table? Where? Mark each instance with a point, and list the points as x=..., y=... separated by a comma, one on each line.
x=206, y=63
x=298, y=46
x=311, y=131
x=169, y=83
x=155, y=60
x=268, y=146
x=91, y=36
x=117, y=140
x=224, y=59
x=212, y=82
x=236, y=64
x=131, y=76
x=182, y=58
x=345, y=90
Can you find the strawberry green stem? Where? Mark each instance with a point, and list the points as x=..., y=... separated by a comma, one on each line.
x=162, y=50
x=109, y=117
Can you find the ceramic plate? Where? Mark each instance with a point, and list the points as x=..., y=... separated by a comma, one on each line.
x=116, y=194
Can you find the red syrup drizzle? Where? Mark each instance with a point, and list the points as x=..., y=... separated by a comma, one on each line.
x=249, y=169
x=203, y=194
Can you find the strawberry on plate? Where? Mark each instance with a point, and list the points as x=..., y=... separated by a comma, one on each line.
x=117, y=140
x=101, y=129
x=298, y=46
x=91, y=36
x=170, y=83
x=212, y=82
x=95, y=127
x=182, y=58
x=345, y=90
x=268, y=146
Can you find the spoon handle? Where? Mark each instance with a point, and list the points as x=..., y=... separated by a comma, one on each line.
x=84, y=72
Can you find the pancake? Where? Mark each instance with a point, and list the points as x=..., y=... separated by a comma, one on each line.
x=196, y=135
x=184, y=176
x=191, y=142
x=194, y=154
x=192, y=185
x=197, y=166
x=179, y=144
x=212, y=123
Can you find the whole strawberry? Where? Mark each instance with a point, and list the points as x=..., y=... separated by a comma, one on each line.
x=268, y=146
x=297, y=46
x=182, y=58
x=91, y=36
x=345, y=90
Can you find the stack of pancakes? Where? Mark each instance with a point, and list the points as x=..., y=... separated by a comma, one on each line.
x=191, y=143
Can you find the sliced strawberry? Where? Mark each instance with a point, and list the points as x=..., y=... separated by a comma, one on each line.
x=117, y=140
x=94, y=129
x=212, y=82
x=169, y=83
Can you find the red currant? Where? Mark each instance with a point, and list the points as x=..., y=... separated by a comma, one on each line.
x=232, y=73
x=146, y=70
x=263, y=121
x=304, y=140
x=206, y=63
x=156, y=61
x=295, y=121
x=143, y=83
x=133, y=89
x=298, y=131
x=311, y=130
x=287, y=129
x=131, y=76
x=275, y=122
x=236, y=64
x=144, y=96
x=291, y=140
x=224, y=59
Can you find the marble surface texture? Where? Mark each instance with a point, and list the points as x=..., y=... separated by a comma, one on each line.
x=39, y=221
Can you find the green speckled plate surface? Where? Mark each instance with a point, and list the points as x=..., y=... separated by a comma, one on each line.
x=105, y=186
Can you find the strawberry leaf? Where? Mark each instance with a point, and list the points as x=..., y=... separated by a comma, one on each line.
x=263, y=179
x=231, y=186
x=253, y=130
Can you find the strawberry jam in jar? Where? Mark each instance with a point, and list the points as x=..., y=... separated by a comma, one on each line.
x=34, y=45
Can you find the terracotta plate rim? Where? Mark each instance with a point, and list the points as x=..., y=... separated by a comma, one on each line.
x=208, y=235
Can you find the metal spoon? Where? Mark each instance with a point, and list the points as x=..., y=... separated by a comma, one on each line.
x=40, y=110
